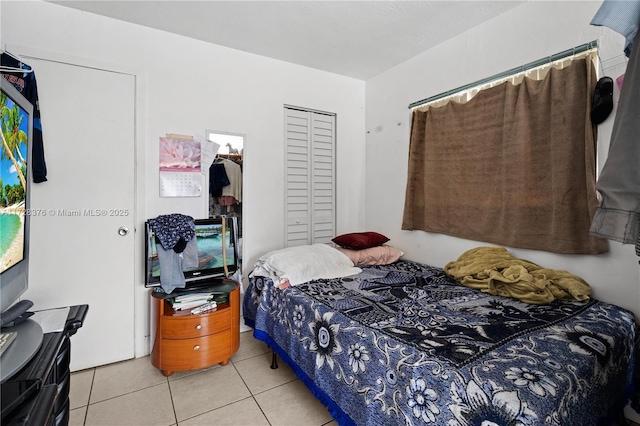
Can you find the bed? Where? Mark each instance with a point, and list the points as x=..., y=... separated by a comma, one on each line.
x=406, y=344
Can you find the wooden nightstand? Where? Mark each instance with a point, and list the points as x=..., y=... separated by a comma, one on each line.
x=189, y=342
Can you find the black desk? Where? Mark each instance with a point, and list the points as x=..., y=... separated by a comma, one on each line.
x=50, y=365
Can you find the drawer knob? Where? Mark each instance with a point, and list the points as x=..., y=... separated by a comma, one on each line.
x=196, y=347
x=198, y=327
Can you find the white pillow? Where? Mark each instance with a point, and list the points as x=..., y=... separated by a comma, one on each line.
x=301, y=264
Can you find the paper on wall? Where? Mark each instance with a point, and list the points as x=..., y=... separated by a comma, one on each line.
x=180, y=166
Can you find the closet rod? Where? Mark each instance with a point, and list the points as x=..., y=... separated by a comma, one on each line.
x=534, y=64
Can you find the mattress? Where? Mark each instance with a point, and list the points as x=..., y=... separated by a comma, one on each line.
x=406, y=344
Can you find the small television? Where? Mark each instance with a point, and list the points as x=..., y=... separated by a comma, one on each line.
x=16, y=121
x=210, y=236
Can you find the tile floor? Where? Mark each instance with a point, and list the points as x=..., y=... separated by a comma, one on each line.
x=245, y=392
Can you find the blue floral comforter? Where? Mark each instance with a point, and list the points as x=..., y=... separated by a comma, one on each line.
x=405, y=344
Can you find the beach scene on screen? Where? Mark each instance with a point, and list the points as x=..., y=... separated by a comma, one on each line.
x=13, y=175
x=209, y=240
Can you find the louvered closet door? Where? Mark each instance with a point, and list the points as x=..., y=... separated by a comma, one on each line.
x=309, y=177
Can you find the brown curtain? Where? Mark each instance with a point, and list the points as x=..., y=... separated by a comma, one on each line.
x=514, y=166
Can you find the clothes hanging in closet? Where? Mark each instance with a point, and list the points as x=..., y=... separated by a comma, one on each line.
x=218, y=179
x=618, y=214
x=25, y=83
x=234, y=188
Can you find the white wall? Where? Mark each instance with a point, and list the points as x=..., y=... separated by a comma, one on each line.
x=523, y=34
x=186, y=86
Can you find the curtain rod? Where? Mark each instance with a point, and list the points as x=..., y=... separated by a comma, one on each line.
x=548, y=59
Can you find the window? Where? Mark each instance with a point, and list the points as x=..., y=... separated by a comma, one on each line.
x=514, y=166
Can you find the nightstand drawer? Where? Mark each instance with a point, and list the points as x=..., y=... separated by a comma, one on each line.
x=191, y=354
x=196, y=325
x=185, y=341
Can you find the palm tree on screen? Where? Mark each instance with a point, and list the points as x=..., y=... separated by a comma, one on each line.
x=13, y=137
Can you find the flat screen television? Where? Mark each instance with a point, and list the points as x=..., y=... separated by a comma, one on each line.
x=209, y=239
x=16, y=121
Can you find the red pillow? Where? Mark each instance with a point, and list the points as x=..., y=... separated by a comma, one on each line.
x=360, y=240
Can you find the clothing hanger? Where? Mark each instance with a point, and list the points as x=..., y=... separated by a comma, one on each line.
x=225, y=157
x=15, y=69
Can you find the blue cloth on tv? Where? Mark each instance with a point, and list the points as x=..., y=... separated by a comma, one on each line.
x=170, y=228
x=172, y=265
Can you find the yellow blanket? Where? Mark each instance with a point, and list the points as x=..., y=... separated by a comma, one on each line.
x=493, y=270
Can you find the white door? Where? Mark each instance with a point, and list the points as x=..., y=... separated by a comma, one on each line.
x=77, y=253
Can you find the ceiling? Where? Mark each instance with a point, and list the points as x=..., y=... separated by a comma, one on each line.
x=359, y=39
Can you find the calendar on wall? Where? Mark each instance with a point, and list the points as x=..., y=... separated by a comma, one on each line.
x=180, y=167
x=181, y=184
x=184, y=165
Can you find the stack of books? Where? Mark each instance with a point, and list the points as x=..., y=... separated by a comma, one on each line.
x=190, y=301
